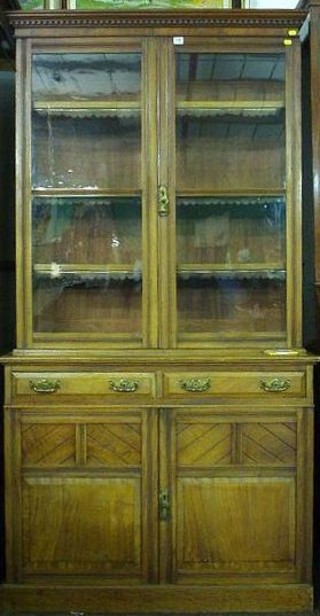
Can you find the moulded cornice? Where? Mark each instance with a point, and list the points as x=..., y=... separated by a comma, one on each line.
x=154, y=18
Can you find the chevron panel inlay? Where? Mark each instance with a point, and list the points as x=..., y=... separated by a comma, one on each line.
x=269, y=443
x=204, y=444
x=45, y=445
x=114, y=444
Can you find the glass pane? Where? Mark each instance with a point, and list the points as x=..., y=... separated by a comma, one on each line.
x=235, y=305
x=87, y=264
x=88, y=150
x=230, y=122
x=229, y=77
x=86, y=121
x=87, y=230
x=231, y=214
x=86, y=77
x=96, y=303
x=231, y=265
x=231, y=231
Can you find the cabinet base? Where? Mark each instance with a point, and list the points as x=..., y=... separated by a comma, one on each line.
x=153, y=599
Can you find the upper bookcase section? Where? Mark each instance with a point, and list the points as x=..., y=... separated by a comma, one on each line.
x=159, y=174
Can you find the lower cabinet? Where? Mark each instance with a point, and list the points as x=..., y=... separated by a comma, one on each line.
x=186, y=494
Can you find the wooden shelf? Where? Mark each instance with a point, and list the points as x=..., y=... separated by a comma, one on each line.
x=226, y=268
x=55, y=270
x=87, y=105
x=86, y=192
x=250, y=108
x=194, y=193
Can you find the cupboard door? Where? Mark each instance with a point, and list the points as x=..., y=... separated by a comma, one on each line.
x=92, y=271
x=233, y=123
x=231, y=481
x=85, y=482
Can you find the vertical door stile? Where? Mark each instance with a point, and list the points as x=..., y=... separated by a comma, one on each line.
x=313, y=79
x=23, y=192
x=166, y=483
x=13, y=450
x=305, y=417
x=166, y=175
x=11, y=505
x=149, y=194
x=28, y=195
x=294, y=196
x=150, y=531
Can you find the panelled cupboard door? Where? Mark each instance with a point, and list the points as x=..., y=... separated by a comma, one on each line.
x=163, y=194
x=231, y=481
x=85, y=482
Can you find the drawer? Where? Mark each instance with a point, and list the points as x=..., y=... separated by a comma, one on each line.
x=58, y=384
x=235, y=383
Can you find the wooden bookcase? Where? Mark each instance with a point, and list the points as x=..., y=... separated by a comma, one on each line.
x=159, y=402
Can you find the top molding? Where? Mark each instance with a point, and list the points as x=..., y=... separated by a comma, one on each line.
x=155, y=18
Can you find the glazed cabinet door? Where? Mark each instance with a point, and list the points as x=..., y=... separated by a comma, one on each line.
x=233, y=194
x=89, y=266
x=236, y=488
x=82, y=501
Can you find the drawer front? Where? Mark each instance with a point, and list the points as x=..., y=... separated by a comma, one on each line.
x=267, y=384
x=122, y=384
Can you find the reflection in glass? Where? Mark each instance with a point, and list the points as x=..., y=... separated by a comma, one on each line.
x=232, y=305
x=231, y=231
x=230, y=77
x=230, y=125
x=86, y=230
x=231, y=265
x=86, y=76
x=231, y=216
x=90, y=303
x=91, y=149
x=87, y=265
x=86, y=129
x=217, y=152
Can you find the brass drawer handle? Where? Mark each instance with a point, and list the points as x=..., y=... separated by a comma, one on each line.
x=196, y=384
x=124, y=385
x=276, y=385
x=45, y=386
